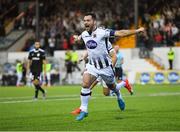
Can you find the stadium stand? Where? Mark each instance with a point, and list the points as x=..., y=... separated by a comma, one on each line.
x=60, y=19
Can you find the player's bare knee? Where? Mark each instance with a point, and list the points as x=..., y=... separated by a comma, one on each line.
x=111, y=86
x=106, y=93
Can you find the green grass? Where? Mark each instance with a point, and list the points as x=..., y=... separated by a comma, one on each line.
x=152, y=107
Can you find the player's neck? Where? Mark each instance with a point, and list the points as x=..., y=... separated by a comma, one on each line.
x=36, y=50
x=93, y=29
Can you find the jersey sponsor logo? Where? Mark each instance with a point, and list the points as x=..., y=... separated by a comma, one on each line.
x=159, y=77
x=35, y=58
x=91, y=44
x=173, y=77
x=145, y=78
x=38, y=54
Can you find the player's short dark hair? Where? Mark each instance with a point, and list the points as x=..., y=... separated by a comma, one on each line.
x=37, y=40
x=93, y=15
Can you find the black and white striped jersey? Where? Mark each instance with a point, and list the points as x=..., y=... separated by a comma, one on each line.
x=98, y=47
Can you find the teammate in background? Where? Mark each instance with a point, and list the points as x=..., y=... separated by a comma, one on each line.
x=36, y=59
x=74, y=59
x=68, y=65
x=47, y=78
x=19, y=72
x=101, y=58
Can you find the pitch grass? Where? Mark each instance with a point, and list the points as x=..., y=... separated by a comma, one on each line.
x=153, y=107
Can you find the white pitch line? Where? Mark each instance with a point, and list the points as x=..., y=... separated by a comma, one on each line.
x=52, y=98
x=29, y=101
x=27, y=97
x=165, y=94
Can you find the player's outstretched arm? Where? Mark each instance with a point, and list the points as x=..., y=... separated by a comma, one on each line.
x=123, y=33
x=44, y=62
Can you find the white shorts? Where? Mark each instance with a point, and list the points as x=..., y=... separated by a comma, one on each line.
x=107, y=74
x=99, y=79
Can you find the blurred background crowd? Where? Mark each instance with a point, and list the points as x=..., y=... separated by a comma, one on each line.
x=59, y=20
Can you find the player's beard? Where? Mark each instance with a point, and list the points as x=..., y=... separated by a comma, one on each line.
x=87, y=28
x=90, y=28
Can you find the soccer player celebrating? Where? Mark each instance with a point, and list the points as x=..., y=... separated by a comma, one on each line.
x=102, y=59
x=118, y=75
x=36, y=59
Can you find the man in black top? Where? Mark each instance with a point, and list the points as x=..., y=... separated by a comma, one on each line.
x=36, y=59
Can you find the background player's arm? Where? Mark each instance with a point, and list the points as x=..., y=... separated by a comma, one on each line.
x=113, y=56
x=28, y=66
x=44, y=63
x=123, y=33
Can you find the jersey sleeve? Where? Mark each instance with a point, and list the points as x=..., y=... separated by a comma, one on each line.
x=30, y=56
x=109, y=33
x=43, y=55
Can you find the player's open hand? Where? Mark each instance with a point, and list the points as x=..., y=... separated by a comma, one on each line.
x=76, y=38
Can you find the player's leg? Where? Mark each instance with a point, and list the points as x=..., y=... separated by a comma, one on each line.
x=127, y=85
x=118, y=94
x=120, y=82
x=37, y=85
x=76, y=66
x=94, y=84
x=109, y=78
x=106, y=90
x=19, y=78
x=78, y=110
x=44, y=80
x=88, y=79
x=35, y=82
x=118, y=75
x=48, y=75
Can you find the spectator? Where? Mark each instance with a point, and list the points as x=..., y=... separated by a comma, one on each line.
x=68, y=65
x=171, y=56
x=74, y=60
x=47, y=78
x=51, y=42
x=19, y=72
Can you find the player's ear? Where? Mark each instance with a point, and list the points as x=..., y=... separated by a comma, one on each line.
x=95, y=22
